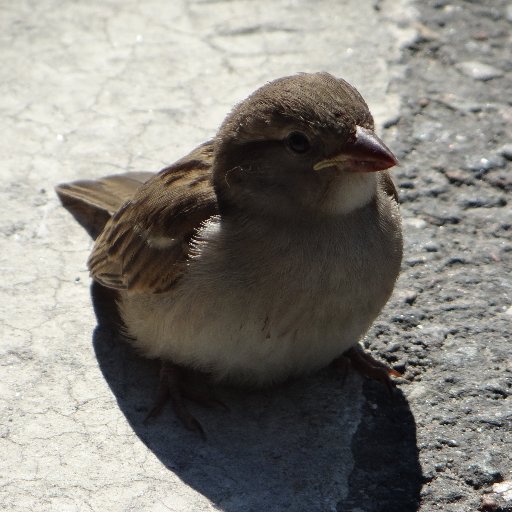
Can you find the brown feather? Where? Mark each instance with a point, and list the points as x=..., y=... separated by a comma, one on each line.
x=145, y=246
x=93, y=202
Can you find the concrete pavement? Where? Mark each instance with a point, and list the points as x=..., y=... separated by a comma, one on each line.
x=89, y=89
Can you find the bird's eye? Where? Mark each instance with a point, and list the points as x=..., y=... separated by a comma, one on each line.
x=298, y=142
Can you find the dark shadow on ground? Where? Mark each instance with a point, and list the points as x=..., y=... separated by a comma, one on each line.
x=291, y=448
x=387, y=475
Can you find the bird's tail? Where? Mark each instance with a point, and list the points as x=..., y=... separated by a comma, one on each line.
x=93, y=202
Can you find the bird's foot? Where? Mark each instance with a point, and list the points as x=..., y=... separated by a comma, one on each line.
x=172, y=387
x=367, y=365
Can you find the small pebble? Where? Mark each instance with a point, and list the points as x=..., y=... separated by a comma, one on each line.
x=495, y=386
x=453, y=495
x=481, y=36
x=448, y=216
x=414, y=222
x=407, y=296
x=394, y=347
x=506, y=151
x=488, y=504
x=499, y=178
x=400, y=367
x=448, y=442
x=460, y=103
x=486, y=164
x=455, y=260
x=458, y=176
x=435, y=333
x=483, y=202
x=392, y=121
x=413, y=262
x=411, y=319
x=426, y=130
x=503, y=487
x=479, y=70
x=508, y=13
x=480, y=474
x=431, y=247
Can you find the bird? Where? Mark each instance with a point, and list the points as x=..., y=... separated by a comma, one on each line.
x=264, y=254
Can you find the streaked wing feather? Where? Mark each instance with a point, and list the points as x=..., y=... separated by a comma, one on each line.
x=93, y=202
x=107, y=193
x=145, y=245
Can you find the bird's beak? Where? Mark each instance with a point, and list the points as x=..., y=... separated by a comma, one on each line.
x=366, y=154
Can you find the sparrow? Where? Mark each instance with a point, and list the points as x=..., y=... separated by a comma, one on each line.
x=265, y=253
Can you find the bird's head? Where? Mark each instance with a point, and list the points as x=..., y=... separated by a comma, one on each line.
x=300, y=145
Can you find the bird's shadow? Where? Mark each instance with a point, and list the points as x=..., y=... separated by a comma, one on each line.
x=306, y=446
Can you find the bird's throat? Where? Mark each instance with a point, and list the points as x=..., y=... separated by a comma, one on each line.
x=348, y=192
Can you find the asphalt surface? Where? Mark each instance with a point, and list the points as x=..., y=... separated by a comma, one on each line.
x=99, y=88
x=452, y=316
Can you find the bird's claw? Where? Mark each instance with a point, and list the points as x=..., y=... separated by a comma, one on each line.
x=368, y=366
x=171, y=389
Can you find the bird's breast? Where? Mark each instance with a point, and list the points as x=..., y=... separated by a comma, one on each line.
x=260, y=303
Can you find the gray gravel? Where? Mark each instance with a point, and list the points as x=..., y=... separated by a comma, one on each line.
x=452, y=313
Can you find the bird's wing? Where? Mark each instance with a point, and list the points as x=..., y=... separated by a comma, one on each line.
x=93, y=202
x=388, y=185
x=146, y=243
x=107, y=194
